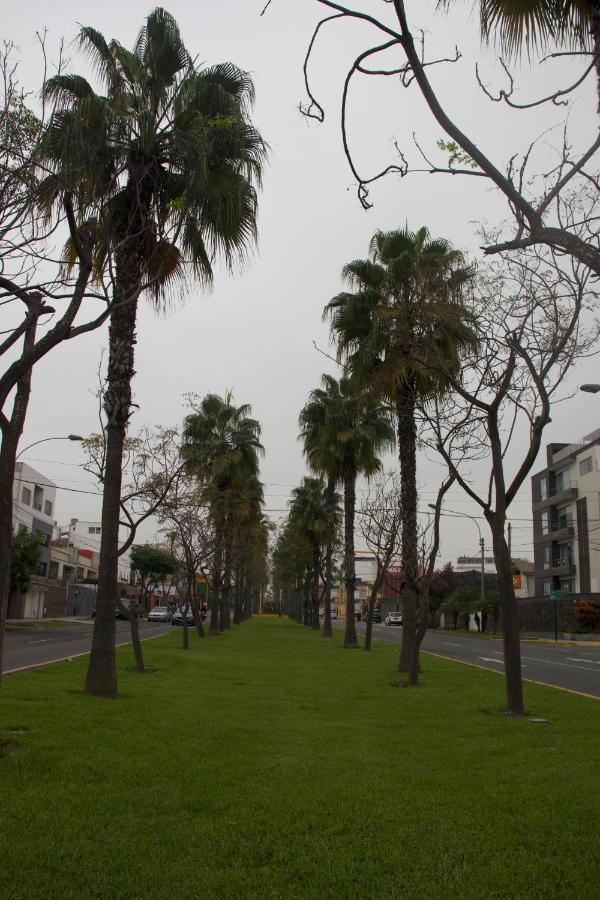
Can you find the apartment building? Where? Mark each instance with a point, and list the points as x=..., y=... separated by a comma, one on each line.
x=566, y=518
x=473, y=563
x=34, y=500
x=86, y=535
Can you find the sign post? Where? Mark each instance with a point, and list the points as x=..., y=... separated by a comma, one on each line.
x=555, y=596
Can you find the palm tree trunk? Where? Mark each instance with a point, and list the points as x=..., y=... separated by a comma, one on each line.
x=407, y=452
x=349, y=510
x=101, y=678
x=315, y=624
x=226, y=592
x=329, y=505
x=217, y=573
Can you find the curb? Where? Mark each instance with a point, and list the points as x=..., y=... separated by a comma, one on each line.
x=556, y=687
x=72, y=656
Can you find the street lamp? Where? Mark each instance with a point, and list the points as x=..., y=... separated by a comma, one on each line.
x=590, y=388
x=68, y=437
x=455, y=512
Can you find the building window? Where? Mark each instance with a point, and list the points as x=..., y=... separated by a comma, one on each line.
x=79, y=573
x=564, y=517
x=545, y=522
x=42, y=569
x=53, y=569
x=565, y=554
x=543, y=488
x=94, y=530
x=48, y=508
x=546, y=557
x=26, y=496
x=546, y=588
x=561, y=481
x=586, y=465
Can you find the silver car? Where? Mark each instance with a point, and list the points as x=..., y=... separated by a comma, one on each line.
x=393, y=618
x=159, y=614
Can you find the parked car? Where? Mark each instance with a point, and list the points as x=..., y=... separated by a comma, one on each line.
x=178, y=617
x=334, y=614
x=122, y=613
x=393, y=618
x=159, y=614
x=376, y=615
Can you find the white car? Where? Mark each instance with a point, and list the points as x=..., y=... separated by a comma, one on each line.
x=159, y=614
x=393, y=618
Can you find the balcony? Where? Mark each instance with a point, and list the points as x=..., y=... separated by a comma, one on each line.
x=562, y=568
x=559, y=531
x=565, y=493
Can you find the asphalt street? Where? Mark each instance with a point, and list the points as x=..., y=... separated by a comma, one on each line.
x=29, y=646
x=576, y=668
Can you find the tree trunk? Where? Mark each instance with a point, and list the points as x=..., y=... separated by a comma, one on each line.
x=217, y=573
x=510, y=618
x=134, y=623
x=349, y=506
x=595, y=33
x=237, y=597
x=329, y=505
x=12, y=430
x=226, y=591
x=306, y=602
x=370, y=608
x=186, y=631
x=407, y=452
x=315, y=624
x=101, y=678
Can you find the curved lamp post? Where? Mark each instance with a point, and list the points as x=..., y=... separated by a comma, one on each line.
x=68, y=437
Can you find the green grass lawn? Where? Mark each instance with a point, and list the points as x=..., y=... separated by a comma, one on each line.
x=270, y=763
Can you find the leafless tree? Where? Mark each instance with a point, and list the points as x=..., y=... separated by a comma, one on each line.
x=530, y=314
x=395, y=53
x=380, y=521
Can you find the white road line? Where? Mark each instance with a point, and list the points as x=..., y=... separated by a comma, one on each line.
x=490, y=659
x=554, y=662
x=40, y=641
x=596, y=662
x=448, y=644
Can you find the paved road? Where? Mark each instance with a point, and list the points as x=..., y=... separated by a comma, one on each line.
x=576, y=667
x=30, y=646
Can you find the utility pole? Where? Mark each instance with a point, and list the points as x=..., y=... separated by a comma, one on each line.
x=482, y=592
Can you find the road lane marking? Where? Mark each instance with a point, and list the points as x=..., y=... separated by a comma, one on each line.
x=555, y=662
x=596, y=662
x=490, y=659
x=448, y=644
x=40, y=641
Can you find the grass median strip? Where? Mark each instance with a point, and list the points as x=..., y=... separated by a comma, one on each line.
x=270, y=763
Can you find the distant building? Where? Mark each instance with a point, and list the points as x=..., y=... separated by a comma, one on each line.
x=469, y=563
x=523, y=578
x=566, y=512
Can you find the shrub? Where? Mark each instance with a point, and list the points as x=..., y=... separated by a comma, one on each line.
x=587, y=615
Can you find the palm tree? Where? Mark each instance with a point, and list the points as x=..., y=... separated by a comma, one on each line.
x=354, y=428
x=399, y=331
x=537, y=24
x=222, y=445
x=166, y=160
x=308, y=511
x=323, y=460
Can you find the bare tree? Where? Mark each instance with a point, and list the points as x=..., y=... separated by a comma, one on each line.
x=395, y=53
x=380, y=521
x=529, y=311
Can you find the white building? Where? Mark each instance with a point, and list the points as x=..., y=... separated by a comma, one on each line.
x=86, y=535
x=34, y=499
x=566, y=513
x=470, y=563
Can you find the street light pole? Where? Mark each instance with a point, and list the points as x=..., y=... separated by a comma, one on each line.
x=68, y=437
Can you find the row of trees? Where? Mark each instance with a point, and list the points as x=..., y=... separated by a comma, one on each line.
x=454, y=358
x=149, y=176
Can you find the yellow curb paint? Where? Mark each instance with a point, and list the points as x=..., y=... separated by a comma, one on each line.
x=497, y=672
x=52, y=662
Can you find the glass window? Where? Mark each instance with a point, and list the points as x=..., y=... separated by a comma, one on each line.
x=48, y=508
x=564, y=517
x=543, y=487
x=545, y=522
x=26, y=496
x=546, y=588
x=53, y=570
x=546, y=557
x=586, y=465
x=42, y=568
x=565, y=554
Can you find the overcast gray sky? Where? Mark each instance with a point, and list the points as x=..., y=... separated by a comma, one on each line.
x=254, y=333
